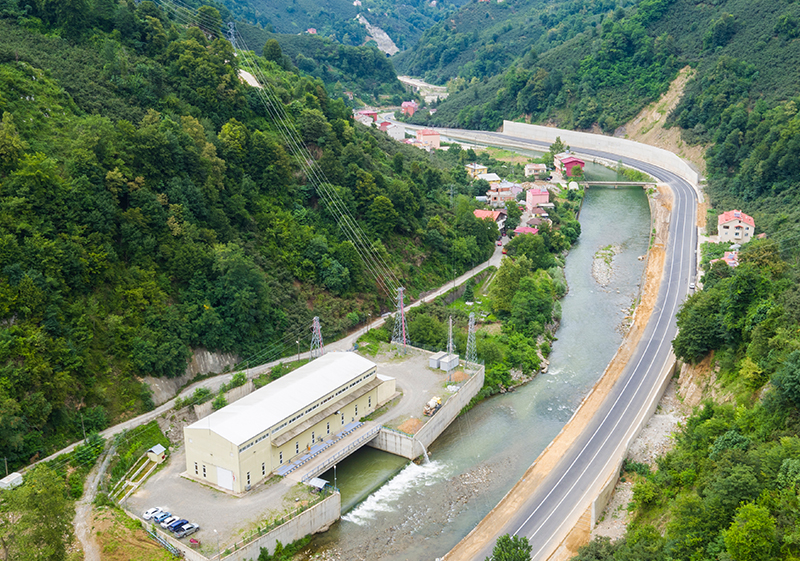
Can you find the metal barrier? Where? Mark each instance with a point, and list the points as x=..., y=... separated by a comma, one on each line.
x=164, y=543
x=330, y=461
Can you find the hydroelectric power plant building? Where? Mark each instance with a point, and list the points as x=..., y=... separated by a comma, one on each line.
x=246, y=441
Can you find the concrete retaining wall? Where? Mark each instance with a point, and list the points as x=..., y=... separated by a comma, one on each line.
x=449, y=411
x=318, y=518
x=401, y=444
x=601, y=501
x=577, y=140
x=204, y=409
x=395, y=443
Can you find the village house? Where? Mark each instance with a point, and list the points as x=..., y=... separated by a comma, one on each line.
x=535, y=169
x=409, y=108
x=497, y=216
x=735, y=226
x=492, y=178
x=525, y=230
x=474, y=169
x=397, y=132
x=429, y=137
x=372, y=114
x=534, y=197
x=364, y=119
x=570, y=163
x=503, y=192
x=731, y=259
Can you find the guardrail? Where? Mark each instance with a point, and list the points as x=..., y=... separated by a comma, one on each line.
x=330, y=461
x=164, y=543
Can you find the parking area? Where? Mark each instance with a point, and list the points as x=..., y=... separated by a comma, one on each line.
x=213, y=510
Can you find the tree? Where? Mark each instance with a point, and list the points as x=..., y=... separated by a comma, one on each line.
x=382, y=216
x=36, y=518
x=11, y=145
x=514, y=214
x=787, y=379
x=751, y=536
x=273, y=52
x=510, y=548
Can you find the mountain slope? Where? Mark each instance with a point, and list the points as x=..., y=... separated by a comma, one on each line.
x=149, y=205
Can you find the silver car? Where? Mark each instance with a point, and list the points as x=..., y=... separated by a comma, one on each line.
x=187, y=530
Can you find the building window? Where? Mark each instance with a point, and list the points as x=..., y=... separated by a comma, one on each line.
x=204, y=470
x=280, y=458
x=248, y=478
x=296, y=447
x=329, y=427
x=342, y=418
x=263, y=468
x=369, y=402
x=356, y=413
x=312, y=437
x=196, y=472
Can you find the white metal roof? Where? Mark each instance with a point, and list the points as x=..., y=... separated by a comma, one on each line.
x=253, y=414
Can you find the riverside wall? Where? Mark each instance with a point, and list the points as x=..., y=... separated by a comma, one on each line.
x=401, y=444
x=577, y=140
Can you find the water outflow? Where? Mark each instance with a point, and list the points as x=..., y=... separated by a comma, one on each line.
x=424, y=510
x=424, y=453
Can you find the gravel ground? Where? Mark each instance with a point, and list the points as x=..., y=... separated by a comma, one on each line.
x=655, y=440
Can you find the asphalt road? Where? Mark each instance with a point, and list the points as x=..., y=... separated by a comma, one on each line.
x=552, y=511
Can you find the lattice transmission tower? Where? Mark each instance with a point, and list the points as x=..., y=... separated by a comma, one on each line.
x=317, y=346
x=400, y=334
x=472, y=349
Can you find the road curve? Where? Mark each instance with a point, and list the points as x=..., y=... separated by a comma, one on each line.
x=548, y=514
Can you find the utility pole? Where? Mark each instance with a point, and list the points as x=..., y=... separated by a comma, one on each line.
x=298, y=350
x=317, y=347
x=6, y=461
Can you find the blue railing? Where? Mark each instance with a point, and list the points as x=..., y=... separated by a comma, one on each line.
x=330, y=461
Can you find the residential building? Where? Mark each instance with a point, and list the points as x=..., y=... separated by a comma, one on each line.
x=246, y=441
x=474, y=169
x=409, y=108
x=735, y=226
x=429, y=137
x=535, y=196
x=558, y=157
x=503, y=192
x=311, y=30
x=364, y=119
x=525, y=230
x=535, y=169
x=368, y=113
x=569, y=164
x=497, y=216
x=492, y=178
x=397, y=132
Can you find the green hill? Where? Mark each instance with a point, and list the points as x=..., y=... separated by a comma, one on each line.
x=149, y=205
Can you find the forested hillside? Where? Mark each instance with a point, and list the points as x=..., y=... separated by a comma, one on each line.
x=148, y=206
x=403, y=22
x=363, y=71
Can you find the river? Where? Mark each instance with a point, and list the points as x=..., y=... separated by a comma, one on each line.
x=397, y=511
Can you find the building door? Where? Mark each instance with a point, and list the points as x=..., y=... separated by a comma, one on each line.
x=225, y=478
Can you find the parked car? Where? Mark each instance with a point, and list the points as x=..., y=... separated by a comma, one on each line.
x=505, y=251
x=161, y=516
x=499, y=242
x=148, y=514
x=166, y=522
x=187, y=530
x=691, y=286
x=175, y=525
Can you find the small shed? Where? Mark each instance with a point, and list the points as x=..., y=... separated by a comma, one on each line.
x=11, y=480
x=434, y=360
x=157, y=453
x=448, y=362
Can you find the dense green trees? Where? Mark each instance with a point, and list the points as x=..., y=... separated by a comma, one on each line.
x=149, y=206
x=511, y=548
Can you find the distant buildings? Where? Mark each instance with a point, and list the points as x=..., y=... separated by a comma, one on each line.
x=409, y=108
x=492, y=178
x=735, y=226
x=525, y=230
x=502, y=192
x=311, y=30
x=372, y=114
x=397, y=132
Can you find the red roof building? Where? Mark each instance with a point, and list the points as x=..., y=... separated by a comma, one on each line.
x=409, y=108
x=526, y=230
x=735, y=226
x=498, y=216
x=429, y=137
x=570, y=162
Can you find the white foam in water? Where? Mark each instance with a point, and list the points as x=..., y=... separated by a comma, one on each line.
x=412, y=478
